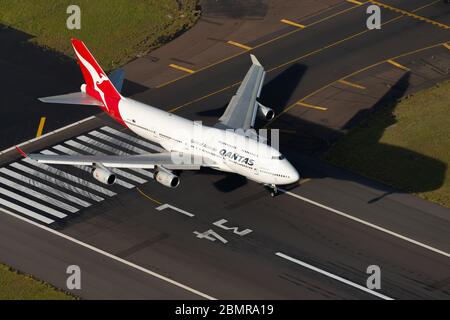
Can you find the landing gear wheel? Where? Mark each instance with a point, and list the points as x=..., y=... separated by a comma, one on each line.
x=274, y=191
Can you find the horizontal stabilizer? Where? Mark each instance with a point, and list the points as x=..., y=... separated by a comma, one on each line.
x=79, y=98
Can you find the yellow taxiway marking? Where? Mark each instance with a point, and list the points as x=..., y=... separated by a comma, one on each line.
x=303, y=181
x=355, y=2
x=398, y=65
x=261, y=44
x=410, y=14
x=240, y=45
x=307, y=105
x=181, y=68
x=41, y=127
x=285, y=110
x=447, y=46
x=176, y=108
x=351, y=84
x=148, y=197
x=292, y=23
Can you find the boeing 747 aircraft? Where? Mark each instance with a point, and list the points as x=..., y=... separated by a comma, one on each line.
x=188, y=144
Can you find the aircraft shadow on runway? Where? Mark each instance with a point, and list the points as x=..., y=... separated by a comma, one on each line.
x=308, y=146
x=30, y=71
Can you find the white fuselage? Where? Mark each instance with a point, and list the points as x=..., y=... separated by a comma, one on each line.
x=228, y=151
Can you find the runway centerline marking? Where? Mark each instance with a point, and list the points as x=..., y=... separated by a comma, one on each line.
x=410, y=14
x=368, y=224
x=333, y=276
x=310, y=106
x=396, y=64
x=175, y=66
x=111, y=256
x=351, y=84
x=40, y=127
x=240, y=45
x=292, y=23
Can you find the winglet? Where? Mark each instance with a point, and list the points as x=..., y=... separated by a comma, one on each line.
x=21, y=152
x=255, y=61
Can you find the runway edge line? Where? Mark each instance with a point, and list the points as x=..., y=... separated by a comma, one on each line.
x=111, y=256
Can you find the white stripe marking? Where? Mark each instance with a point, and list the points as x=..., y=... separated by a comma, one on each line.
x=333, y=276
x=118, y=171
x=70, y=177
x=24, y=211
x=45, y=187
x=133, y=139
x=118, y=143
x=168, y=206
x=32, y=203
x=113, y=257
x=56, y=182
x=65, y=150
x=38, y=195
x=371, y=225
x=105, y=147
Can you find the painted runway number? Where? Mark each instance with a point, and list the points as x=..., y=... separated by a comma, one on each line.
x=211, y=235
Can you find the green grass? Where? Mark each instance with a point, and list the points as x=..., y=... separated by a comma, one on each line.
x=17, y=286
x=114, y=30
x=405, y=145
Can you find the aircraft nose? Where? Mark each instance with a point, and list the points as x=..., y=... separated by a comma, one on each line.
x=294, y=175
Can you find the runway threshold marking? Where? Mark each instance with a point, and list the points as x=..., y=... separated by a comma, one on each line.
x=175, y=66
x=398, y=65
x=410, y=14
x=307, y=105
x=368, y=224
x=111, y=256
x=292, y=23
x=333, y=276
x=40, y=127
x=240, y=45
x=260, y=45
x=351, y=84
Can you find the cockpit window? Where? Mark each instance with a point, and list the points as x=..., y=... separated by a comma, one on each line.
x=280, y=157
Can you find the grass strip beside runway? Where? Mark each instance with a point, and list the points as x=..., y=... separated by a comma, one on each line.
x=17, y=286
x=405, y=144
x=114, y=30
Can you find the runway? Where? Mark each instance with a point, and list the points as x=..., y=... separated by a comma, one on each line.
x=219, y=236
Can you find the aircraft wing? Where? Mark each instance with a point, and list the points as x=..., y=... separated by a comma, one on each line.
x=241, y=111
x=168, y=160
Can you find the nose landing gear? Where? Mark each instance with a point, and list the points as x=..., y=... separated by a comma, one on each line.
x=273, y=190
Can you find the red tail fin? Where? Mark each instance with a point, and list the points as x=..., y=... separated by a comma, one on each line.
x=98, y=84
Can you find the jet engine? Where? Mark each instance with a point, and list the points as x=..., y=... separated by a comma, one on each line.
x=104, y=176
x=166, y=178
x=265, y=112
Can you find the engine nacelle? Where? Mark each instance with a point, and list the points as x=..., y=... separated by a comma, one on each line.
x=265, y=112
x=167, y=179
x=104, y=176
